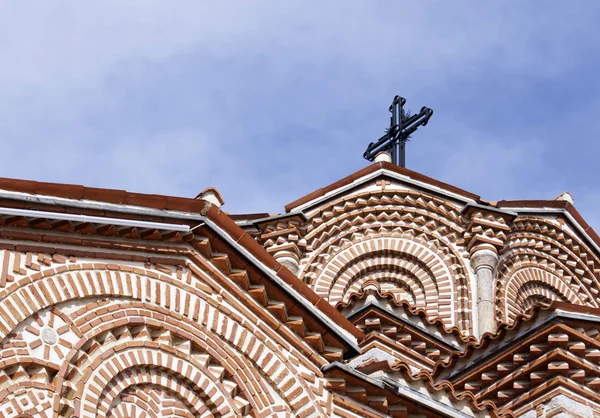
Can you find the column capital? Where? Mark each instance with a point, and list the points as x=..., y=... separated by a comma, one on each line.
x=484, y=259
x=486, y=227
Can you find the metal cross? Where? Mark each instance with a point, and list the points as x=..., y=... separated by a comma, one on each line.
x=402, y=124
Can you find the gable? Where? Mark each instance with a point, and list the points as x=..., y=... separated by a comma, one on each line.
x=412, y=238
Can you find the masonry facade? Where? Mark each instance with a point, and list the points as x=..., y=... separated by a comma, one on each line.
x=385, y=294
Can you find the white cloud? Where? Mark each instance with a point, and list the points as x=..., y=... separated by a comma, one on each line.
x=172, y=97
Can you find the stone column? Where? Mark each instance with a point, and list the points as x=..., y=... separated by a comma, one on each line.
x=483, y=263
x=288, y=259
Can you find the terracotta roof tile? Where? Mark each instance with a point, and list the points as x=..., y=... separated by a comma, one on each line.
x=213, y=190
x=448, y=387
x=412, y=310
x=77, y=192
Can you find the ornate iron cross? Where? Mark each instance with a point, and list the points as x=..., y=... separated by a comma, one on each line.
x=402, y=124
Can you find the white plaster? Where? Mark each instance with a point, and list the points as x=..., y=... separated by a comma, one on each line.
x=567, y=197
x=529, y=414
x=290, y=263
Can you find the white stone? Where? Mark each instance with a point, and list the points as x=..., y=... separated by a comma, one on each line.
x=49, y=336
x=567, y=197
x=569, y=405
x=483, y=263
x=383, y=157
x=289, y=263
x=212, y=196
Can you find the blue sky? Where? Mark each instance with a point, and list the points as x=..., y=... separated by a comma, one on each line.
x=270, y=100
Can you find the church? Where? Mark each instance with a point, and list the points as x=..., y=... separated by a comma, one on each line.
x=385, y=294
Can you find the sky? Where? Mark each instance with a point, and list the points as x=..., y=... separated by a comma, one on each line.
x=270, y=100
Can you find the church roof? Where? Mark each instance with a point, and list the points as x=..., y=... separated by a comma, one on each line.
x=418, y=229
x=107, y=207
x=420, y=181
x=403, y=395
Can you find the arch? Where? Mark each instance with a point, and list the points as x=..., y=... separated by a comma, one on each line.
x=80, y=282
x=156, y=376
x=526, y=254
x=530, y=284
x=407, y=214
x=543, y=243
x=554, y=239
x=381, y=266
x=135, y=313
x=426, y=274
x=137, y=400
x=540, y=299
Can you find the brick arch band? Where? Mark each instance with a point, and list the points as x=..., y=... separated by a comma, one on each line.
x=203, y=320
x=144, y=402
x=400, y=271
x=189, y=360
x=149, y=401
x=398, y=213
x=420, y=269
x=144, y=365
x=542, y=262
x=529, y=285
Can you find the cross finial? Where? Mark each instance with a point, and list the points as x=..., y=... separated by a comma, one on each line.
x=402, y=125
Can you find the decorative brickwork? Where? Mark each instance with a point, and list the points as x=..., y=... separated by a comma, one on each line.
x=384, y=294
x=141, y=328
x=405, y=269
x=561, y=357
x=543, y=261
x=281, y=238
x=413, y=239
